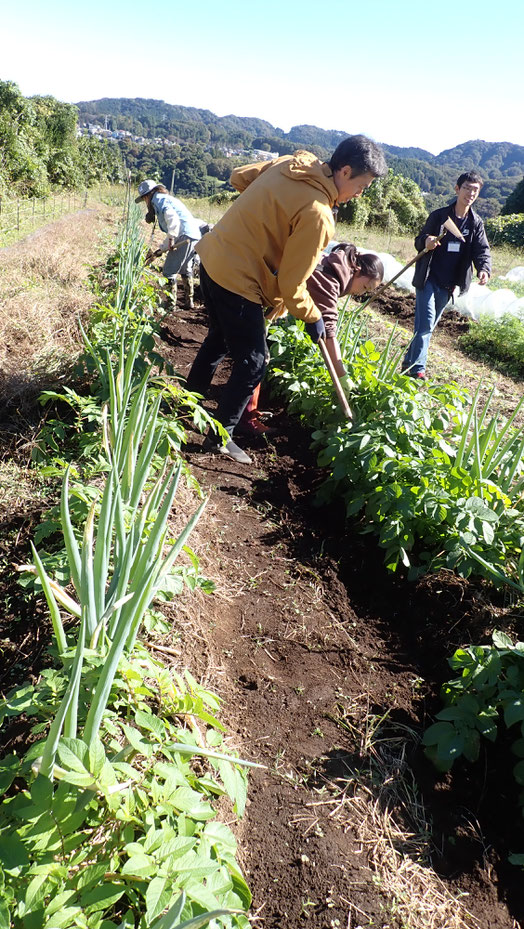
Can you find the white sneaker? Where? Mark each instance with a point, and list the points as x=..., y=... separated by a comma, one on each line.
x=230, y=450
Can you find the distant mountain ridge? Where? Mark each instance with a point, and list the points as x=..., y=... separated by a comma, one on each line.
x=500, y=163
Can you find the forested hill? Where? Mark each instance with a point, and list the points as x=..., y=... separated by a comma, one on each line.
x=500, y=163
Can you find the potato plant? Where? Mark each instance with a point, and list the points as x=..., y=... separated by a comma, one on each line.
x=437, y=479
x=481, y=702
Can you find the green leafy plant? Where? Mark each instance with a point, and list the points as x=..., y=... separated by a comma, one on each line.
x=486, y=697
x=107, y=820
x=129, y=824
x=436, y=478
x=498, y=341
x=506, y=230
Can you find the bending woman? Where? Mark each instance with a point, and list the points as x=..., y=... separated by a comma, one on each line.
x=344, y=271
x=182, y=232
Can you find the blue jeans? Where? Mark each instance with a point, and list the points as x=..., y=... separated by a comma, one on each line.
x=431, y=301
x=237, y=328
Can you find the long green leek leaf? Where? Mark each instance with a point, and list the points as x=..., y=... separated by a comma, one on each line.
x=56, y=619
x=71, y=545
x=53, y=738
x=87, y=582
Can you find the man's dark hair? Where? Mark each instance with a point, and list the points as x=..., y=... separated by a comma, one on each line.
x=470, y=177
x=362, y=155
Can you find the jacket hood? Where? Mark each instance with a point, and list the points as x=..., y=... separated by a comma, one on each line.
x=304, y=166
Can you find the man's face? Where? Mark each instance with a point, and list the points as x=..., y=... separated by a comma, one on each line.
x=349, y=186
x=467, y=194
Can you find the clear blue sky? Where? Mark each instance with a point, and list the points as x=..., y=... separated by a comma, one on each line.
x=404, y=72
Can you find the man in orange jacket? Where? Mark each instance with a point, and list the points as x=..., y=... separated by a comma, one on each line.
x=260, y=254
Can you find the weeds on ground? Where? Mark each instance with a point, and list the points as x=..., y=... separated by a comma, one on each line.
x=497, y=341
x=369, y=790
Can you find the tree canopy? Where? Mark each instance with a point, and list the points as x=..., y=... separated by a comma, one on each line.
x=515, y=201
x=393, y=202
x=40, y=148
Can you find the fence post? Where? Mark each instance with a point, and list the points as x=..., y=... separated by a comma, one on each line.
x=85, y=199
x=44, y=206
x=18, y=215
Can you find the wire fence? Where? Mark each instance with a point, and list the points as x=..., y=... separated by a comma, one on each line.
x=20, y=216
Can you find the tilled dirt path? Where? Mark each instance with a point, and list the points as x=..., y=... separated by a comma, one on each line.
x=328, y=668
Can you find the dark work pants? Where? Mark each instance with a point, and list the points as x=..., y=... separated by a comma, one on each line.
x=237, y=328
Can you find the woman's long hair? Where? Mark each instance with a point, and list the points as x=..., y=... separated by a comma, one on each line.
x=151, y=215
x=368, y=265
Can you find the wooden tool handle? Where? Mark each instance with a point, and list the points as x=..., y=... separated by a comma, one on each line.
x=335, y=378
x=383, y=287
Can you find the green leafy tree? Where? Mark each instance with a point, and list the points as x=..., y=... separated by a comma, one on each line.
x=190, y=175
x=393, y=202
x=515, y=201
x=40, y=148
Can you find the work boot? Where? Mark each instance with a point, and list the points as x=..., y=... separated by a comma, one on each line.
x=189, y=293
x=172, y=291
x=229, y=450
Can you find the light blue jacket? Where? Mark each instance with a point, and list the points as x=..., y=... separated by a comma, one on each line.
x=188, y=224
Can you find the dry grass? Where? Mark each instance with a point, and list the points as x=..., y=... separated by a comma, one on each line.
x=381, y=806
x=43, y=291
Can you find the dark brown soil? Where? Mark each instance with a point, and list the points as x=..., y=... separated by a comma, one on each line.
x=316, y=644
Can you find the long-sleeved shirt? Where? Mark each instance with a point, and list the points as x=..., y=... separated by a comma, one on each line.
x=174, y=219
x=330, y=281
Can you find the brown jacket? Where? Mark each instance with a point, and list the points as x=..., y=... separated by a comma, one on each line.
x=329, y=282
x=269, y=241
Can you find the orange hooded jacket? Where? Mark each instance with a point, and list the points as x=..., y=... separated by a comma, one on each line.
x=270, y=239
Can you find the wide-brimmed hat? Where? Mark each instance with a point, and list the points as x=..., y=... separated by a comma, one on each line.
x=145, y=187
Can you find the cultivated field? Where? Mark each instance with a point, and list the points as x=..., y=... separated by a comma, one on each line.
x=328, y=662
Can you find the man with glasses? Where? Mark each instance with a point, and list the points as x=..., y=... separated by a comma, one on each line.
x=447, y=265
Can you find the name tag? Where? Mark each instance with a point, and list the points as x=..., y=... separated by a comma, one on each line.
x=453, y=246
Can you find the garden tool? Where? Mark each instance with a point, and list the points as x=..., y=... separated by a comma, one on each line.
x=449, y=226
x=336, y=381
x=151, y=255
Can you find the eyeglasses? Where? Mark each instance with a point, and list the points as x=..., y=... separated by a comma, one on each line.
x=473, y=188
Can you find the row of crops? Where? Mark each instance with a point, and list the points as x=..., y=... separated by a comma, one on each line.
x=439, y=480
x=432, y=473
x=109, y=818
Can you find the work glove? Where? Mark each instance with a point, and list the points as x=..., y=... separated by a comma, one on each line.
x=151, y=255
x=347, y=385
x=316, y=330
